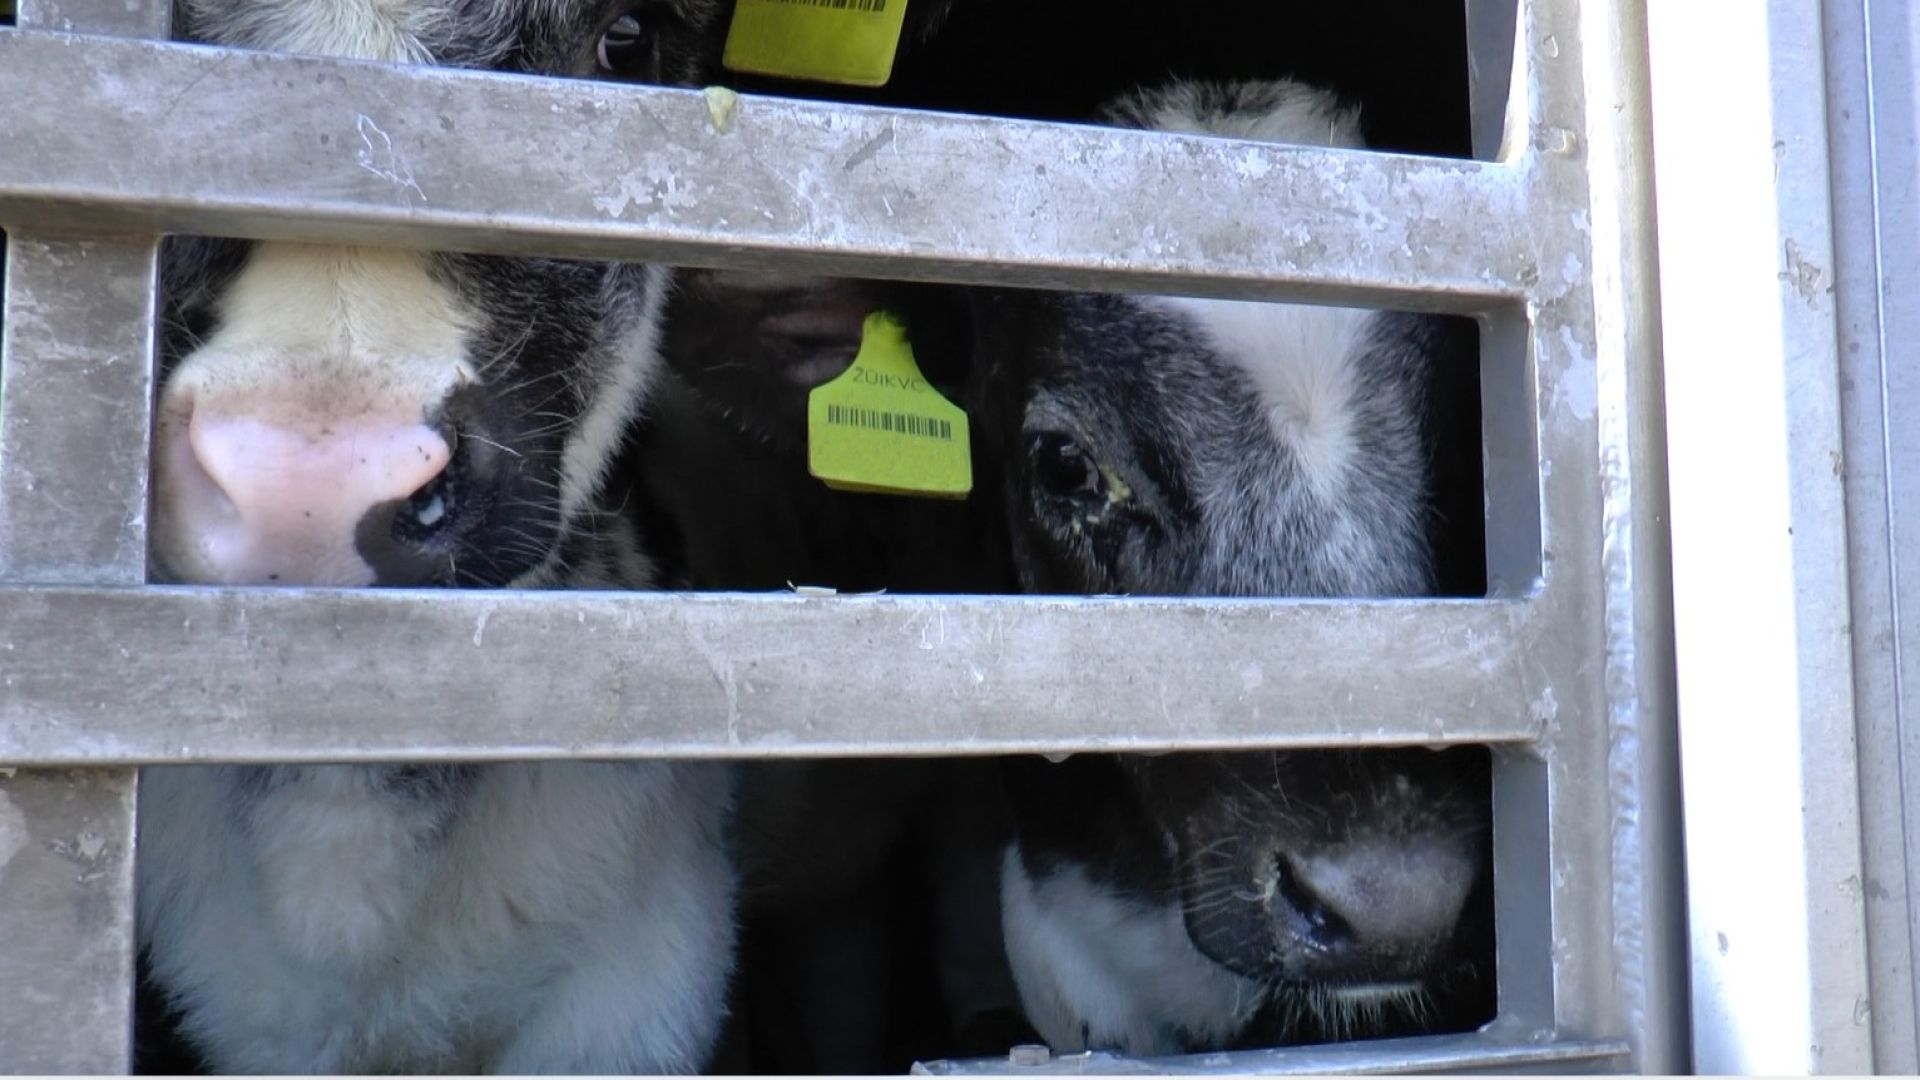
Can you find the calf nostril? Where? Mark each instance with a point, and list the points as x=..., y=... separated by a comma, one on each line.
x=1321, y=927
x=427, y=508
x=434, y=509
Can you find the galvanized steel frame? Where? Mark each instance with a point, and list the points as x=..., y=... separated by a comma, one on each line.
x=1567, y=665
x=1873, y=130
x=1787, y=209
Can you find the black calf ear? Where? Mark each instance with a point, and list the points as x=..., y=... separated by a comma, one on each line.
x=939, y=327
x=751, y=346
x=1012, y=331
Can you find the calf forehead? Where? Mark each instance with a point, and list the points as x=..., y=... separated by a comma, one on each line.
x=321, y=315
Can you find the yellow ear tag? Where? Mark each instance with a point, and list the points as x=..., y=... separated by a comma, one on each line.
x=881, y=426
x=838, y=41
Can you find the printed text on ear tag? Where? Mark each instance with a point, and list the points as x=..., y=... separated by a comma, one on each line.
x=838, y=41
x=882, y=427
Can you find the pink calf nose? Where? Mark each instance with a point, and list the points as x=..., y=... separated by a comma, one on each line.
x=267, y=503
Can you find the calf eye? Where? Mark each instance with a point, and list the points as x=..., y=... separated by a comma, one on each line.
x=626, y=49
x=1063, y=468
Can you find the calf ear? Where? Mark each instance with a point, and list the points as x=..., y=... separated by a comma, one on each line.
x=1012, y=333
x=752, y=346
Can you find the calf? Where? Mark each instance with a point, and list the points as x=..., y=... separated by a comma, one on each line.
x=353, y=416
x=1172, y=446
x=1175, y=446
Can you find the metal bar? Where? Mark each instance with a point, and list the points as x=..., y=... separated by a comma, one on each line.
x=1439, y=1054
x=1874, y=133
x=137, y=135
x=1496, y=67
x=171, y=675
x=1510, y=453
x=76, y=402
x=126, y=18
x=76, y=362
x=1648, y=915
x=1523, y=901
x=66, y=920
x=1761, y=587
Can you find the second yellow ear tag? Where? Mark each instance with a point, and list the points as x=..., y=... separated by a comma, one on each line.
x=882, y=427
x=839, y=41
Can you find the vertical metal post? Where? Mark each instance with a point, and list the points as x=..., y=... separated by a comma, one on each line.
x=66, y=920
x=1649, y=916
x=76, y=369
x=1496, y=64
x=1763, y=632
x=1874, y=142
x=76, y=389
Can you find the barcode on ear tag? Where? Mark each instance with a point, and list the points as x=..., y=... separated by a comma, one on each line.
x=882, y=427
x=837, y=41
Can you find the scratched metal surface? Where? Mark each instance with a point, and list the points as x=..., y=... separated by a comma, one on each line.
x=78, y=389
x=144, y=134
x=1476, y=1053
x=1871, y=54
x=66, y=920
x=1564, y=667
x=76, y=342
x=116, y=676
x=1763, y=619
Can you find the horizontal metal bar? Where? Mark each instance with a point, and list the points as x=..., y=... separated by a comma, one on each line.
x=1439, y=1054
x=131, y=18
x=76, y=400
x=137, y=135
x=105, y=676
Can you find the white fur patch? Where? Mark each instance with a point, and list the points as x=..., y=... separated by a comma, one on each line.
x=1280, y=111
x=1299, y=356
x=1099, y=972
x=592, y=446
x=1300, y=360
x=1305, y=119
x=570, y=917
x=355, y=29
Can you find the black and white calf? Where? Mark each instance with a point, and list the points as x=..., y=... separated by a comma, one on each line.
x=1160, y=445
x=352, y=416
x=1204, y=447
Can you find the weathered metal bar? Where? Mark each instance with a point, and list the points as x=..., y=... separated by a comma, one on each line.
x=1762, y=620
x=1873, y=130
x=76, y=403
x=107, y=676
x=66, y=920
x=76, y=355
x=1646, y=923
x=138, y=135
x=128, y=18
x=1440, y=1054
